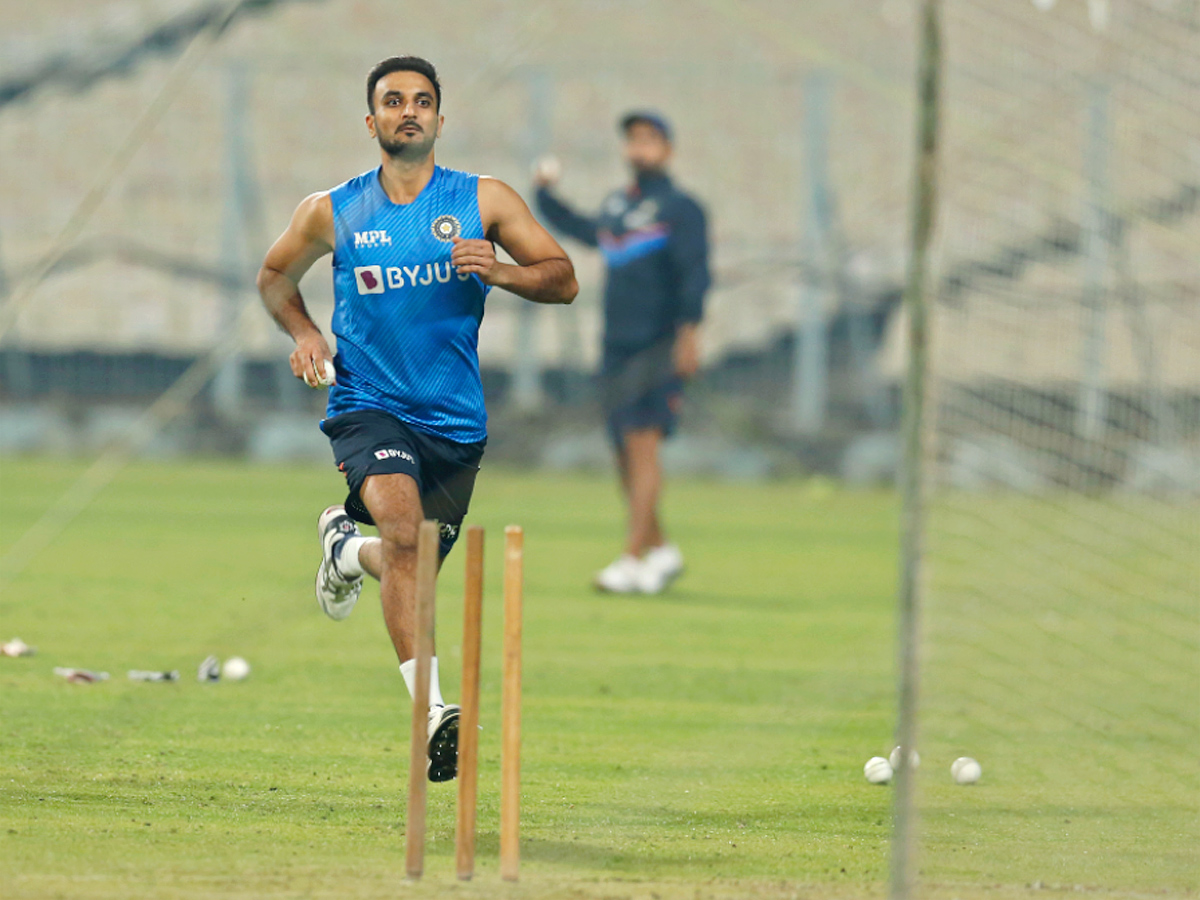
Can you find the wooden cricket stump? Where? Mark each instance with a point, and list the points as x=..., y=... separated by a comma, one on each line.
x=468, y=729
x=468, y=726
x=510, y=706
x=427, y=569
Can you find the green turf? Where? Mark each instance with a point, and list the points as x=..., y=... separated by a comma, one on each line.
x=708, y=743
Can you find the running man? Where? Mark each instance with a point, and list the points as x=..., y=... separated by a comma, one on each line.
x=652, y=237
x=413, y=261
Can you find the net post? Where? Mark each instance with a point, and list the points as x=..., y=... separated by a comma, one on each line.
x=924, y=206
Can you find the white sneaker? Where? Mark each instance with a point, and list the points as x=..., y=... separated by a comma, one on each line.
x=443, y=742
x=336, y=594
x=660, y=566
x=620, y=577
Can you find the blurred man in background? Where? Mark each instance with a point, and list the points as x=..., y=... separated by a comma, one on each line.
x=653, y=239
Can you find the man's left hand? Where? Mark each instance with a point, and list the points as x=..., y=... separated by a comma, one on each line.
x=477, y=257
x=686, y=353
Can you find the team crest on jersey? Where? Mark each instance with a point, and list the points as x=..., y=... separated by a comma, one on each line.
x=446, y=228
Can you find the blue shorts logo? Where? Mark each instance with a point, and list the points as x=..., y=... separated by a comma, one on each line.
x=446, y=228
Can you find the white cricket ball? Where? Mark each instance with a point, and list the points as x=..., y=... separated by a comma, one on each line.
x=965, y=770
x=235, y=668
x=914, y=758
x=878, y=770
x=330, y=374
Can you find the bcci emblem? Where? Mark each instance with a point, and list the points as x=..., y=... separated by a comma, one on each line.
x=446, y=228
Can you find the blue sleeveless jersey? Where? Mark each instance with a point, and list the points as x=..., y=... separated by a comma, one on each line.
x=407, y=323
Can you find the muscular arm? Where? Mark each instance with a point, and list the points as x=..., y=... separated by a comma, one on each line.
x=543, y=272
x=308, y=237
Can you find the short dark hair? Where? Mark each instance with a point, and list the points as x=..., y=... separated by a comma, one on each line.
x=402, y=64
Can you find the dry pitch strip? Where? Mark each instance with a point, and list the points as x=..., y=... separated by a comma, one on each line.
x=468, y=725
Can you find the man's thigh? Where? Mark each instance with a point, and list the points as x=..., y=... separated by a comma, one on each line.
x=368, y=443
x=394, y=502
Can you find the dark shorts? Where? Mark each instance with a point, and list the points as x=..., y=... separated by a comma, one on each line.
x=370, y=442
x=640, y=390
x=657, y=408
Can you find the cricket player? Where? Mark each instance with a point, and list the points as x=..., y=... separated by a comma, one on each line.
x=653, y=239
x=413, y=261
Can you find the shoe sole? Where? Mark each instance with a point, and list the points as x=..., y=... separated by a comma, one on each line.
x=443, y=747
x=333, y=609
x=668, y=580
x=605, y=589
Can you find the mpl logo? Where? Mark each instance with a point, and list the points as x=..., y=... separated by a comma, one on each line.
x=371, y=239
x=369, y=278
x=389, y=453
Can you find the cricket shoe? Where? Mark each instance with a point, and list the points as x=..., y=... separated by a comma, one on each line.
x=443, y=742
x=336, y=593
x=620, y=577
x=660, y=566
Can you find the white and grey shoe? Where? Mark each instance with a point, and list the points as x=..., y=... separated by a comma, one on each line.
x=336, y=593
x=620, y=577
x=660, y=566
x=443, y=742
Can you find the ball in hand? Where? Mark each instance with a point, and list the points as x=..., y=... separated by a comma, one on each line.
x=330, y=373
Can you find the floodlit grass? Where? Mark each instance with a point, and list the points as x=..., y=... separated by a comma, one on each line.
x=708, y=743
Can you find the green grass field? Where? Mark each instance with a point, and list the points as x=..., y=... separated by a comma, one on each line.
x=707, y=743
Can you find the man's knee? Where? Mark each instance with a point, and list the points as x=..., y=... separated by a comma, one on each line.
x=641, y=446
x=395, y=506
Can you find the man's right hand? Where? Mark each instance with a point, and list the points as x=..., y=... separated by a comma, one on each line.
x=309, y=358
x=547, y=171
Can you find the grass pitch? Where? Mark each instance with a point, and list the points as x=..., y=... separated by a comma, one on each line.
x=707, y=743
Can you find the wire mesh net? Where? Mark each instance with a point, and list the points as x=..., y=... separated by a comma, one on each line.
x=1061, y=637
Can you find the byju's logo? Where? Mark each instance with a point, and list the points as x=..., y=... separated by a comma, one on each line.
x=371, y=239
x=370, y=279
x=449, y=532
x=395, y=454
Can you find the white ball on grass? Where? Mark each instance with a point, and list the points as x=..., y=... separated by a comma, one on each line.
x=235, y=668
x=914, y=759
x=878, y=770
x=965, y=770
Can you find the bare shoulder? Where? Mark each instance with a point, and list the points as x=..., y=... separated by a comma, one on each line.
x=315, y=210
x=498, y=202
x=313, y=218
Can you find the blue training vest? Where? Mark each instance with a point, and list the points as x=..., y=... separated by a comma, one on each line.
x=407, y=323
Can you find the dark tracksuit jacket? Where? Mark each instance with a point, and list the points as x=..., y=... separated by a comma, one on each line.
x=653, y=239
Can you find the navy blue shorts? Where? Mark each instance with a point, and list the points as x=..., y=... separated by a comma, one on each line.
x=656, y=408
x=371, y=442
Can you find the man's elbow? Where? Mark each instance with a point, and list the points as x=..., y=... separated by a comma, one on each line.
x=264, y=279
x=570, y=290
x=567, y=286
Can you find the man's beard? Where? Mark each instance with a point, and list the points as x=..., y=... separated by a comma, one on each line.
x=641, y=168
x=405, y=150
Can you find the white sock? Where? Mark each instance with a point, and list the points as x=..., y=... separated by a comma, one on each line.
x=408, y=669
x=347, y=560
